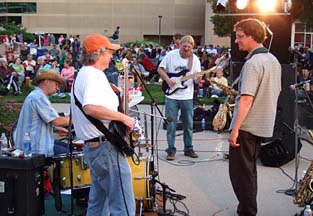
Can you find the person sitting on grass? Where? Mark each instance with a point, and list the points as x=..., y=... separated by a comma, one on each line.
x=220, y=79
x=67, y=72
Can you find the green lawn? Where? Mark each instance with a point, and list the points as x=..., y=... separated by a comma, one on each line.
x=154, y=89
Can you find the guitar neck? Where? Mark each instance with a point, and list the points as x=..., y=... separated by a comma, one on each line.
x=187, y=77
x=204, y=72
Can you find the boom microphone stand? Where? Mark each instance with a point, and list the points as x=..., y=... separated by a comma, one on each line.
x=154, y=106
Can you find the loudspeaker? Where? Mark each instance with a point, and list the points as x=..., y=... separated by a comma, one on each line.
x=280, y=149
x=21, y=186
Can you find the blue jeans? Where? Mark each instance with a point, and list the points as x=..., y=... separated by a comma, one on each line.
x=109, y=169
x=218, y=92
x=171, y=108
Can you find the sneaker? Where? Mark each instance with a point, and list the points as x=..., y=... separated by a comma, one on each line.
x=191, y=154
x=170, y=156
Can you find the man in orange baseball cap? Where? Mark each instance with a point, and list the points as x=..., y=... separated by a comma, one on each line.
x=111, y=190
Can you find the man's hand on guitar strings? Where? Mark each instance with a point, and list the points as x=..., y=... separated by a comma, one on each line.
x=171, y=82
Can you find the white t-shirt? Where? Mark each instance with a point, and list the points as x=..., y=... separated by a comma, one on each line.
x=174, y=63
x=91, y=87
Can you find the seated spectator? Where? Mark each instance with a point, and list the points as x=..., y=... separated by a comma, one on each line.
x=149, y=66
x=211, y=50
x=41, y=65
x=19, y=69
x=8, y=77
x=139, y=68
x=220, y=79
x=305, y=76
x=68, y=72
x=112, y=73
x=204, y=61
x=55, y=65
x=9, y=51
x=29, y=65
x=54, y=51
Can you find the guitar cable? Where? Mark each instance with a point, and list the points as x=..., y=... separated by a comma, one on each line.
x=119, y=170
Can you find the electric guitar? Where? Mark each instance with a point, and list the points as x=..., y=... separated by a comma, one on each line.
x=180, y=78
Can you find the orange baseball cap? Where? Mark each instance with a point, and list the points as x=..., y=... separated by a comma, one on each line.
x=96, y=41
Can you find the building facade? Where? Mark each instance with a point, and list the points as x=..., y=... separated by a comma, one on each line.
x=138, y=19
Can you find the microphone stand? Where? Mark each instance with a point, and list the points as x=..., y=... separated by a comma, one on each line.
x=296, y=126
x=153, y=105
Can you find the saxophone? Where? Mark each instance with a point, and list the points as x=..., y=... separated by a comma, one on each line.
x=304, y=194
x=226, y=89
x=220, y=119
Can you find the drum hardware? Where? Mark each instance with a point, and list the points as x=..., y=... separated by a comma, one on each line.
x=141, y=177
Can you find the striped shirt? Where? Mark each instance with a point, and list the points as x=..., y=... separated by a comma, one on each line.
x=35, y=118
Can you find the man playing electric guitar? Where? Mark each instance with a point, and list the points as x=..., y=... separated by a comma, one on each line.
x=174, y=65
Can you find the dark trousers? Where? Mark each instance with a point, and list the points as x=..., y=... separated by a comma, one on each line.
x=243, y=172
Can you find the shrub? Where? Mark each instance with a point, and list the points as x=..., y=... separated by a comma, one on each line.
x=9, y=112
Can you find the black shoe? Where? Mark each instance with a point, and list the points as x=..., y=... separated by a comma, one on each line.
x=191, y=154
x=170, y=156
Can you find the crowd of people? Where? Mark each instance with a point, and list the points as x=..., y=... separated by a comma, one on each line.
x=62, y=54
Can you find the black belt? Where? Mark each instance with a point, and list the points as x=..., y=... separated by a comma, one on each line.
x=97, y=139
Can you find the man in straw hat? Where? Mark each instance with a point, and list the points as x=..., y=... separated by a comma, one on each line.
x=111, y=190
x=39, y=118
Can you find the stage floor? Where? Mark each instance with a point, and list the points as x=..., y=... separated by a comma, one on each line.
x=205, y=180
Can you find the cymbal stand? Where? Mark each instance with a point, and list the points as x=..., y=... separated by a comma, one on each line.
x=70, y=151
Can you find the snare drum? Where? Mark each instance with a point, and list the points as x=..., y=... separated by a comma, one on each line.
x=142, y=185
x=81, y=174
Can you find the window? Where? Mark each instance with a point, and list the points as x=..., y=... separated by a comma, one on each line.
x=17, y=7
x=9, y=19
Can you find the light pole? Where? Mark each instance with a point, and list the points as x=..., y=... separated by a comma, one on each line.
x=160, y=18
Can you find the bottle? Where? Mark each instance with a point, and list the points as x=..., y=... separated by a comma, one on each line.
x=27, y=145
x=307, y=211
x=4, y=141
x=203, y=124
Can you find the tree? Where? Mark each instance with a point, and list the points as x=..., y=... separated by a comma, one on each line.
x=301, y=10
x=11, y=28
x=221, y=24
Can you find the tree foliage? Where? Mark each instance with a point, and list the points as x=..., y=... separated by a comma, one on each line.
x=11, y=28
x=303, y=10
x=221, y=24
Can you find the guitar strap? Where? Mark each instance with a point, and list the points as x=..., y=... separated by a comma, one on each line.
x=115, y=140
x=256, y=51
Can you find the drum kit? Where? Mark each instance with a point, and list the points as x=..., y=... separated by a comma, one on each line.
x=142, y=167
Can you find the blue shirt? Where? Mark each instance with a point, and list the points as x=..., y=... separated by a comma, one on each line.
x=35, y=118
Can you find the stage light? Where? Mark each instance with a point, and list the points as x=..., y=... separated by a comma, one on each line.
x=267, y=5
x=221, y=5
x=242, y=4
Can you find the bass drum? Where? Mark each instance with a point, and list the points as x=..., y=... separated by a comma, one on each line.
x=81, y=173
x=142, y=184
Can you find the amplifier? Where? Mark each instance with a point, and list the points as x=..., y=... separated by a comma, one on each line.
x=21, y=186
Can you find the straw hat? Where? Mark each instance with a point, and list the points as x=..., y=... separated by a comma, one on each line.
x=49, y=75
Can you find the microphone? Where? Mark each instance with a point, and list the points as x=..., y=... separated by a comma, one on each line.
x=294, y=50
x=297, y=85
